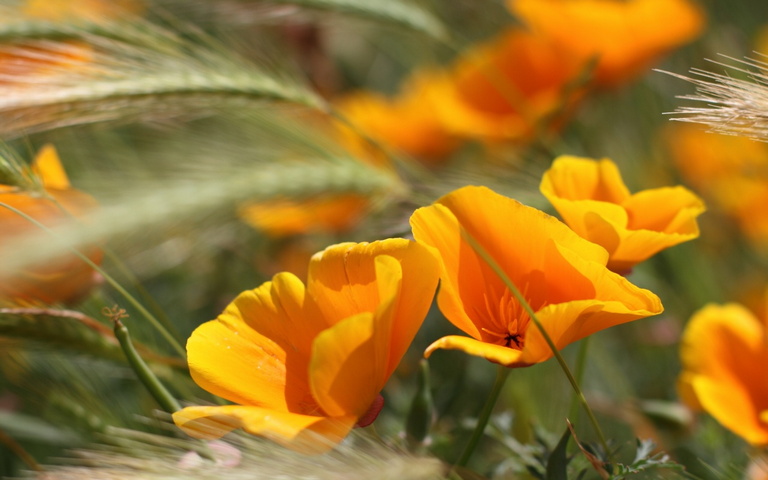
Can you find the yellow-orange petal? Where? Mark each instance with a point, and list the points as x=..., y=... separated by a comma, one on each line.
x=345, y=369
x=257, y=351
x=304, y=433
x=723, y=352
x=495, y=353
x=47, y=166
x=408, y=276
x=666, y=209
x=577, y=178
x=395, y=279
x=342, y=278
x=569, y=322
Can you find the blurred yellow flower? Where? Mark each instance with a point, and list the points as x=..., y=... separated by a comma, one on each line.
x=323, y=214
x=303, y=364
x=724, y=353
x=510, y=88
x=593, y=200
x=66, y=279
x=625, y=37
x=562, y=277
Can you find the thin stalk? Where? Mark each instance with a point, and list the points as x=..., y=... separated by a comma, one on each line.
x=581, y=363
x=147, y=378
x=560, y=360
x=501, y=376
x=116, y=285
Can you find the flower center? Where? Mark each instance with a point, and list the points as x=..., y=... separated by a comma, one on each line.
x=505, y=320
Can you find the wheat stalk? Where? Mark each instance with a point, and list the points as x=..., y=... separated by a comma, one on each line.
x=733, y=106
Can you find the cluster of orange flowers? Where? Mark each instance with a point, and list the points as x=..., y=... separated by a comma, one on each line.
x=526, y=79
x=523, y=82
x=306, y=364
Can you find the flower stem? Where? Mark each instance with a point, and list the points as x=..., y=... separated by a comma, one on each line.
x=501, y=376
x=560, y=360
x=147, y=378
x=581, y=362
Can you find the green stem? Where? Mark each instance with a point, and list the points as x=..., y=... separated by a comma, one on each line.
x=148, y=379
x=135, y=303
x=560, y=360
x=501, y=376
x=581, y=363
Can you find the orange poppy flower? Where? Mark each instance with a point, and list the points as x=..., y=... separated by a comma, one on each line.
x=322, y=214
x=406, y=123
x=66, y=279
x=562, y=276
x=593, y=200
x=724, y=353
x=624, y=36
x=303, y=364
x=508, y=88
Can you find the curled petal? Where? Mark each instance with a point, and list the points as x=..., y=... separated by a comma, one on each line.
x=344, y=369
x=495, y=353
x=574, y=178
x=304, y=433
x=394, y=278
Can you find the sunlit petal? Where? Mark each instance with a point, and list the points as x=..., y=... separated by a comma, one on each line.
x=256, y=351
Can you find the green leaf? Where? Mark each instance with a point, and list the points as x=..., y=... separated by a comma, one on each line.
x=557, y=462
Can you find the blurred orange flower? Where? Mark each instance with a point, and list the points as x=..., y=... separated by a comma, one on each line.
x=724, y=353
x=730, y=171
x=509, y=88
x=593, y=200
x=89, y=10
x=624, y=36
x=323, y=214
x=303, y=364
x=405, y=123
x=562, y=277
x=67, y=279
